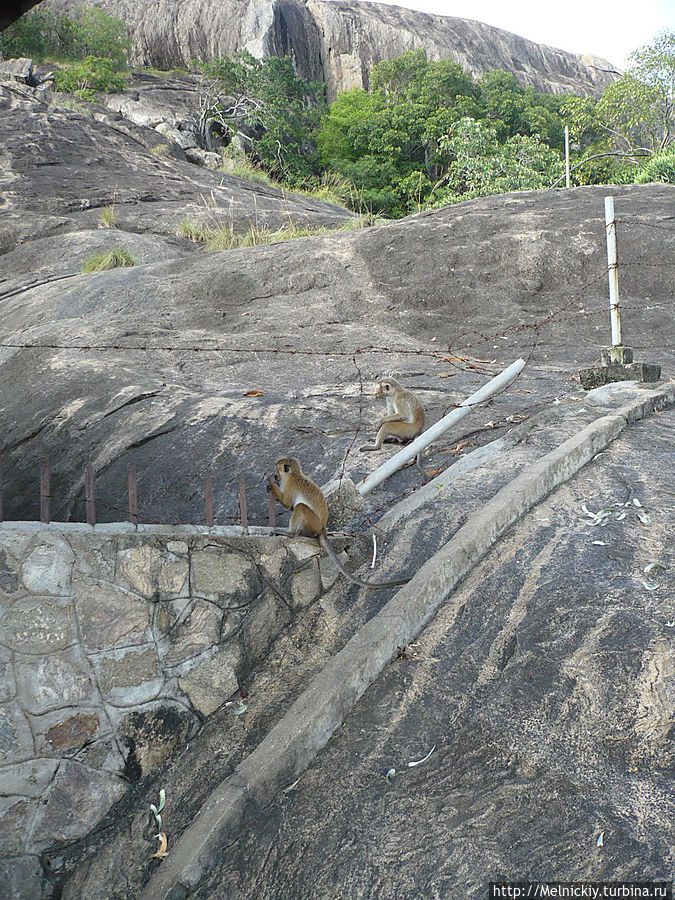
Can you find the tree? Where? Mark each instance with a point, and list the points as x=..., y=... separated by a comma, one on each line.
x=481, y=165
x=277, y=110
x=402, y=142
x=41, y=33
x=101, y=35
x=634, y=119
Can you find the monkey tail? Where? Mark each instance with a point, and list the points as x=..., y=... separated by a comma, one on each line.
x=327, y=546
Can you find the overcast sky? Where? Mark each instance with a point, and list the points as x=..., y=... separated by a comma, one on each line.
x=607, y=28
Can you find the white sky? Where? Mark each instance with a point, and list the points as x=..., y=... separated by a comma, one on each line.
x=607, y=28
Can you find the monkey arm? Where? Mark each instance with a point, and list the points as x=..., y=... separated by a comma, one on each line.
x=394, y=417
x=276, y=491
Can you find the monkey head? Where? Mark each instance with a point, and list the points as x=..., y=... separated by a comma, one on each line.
x=387, y=386
x=285, y=466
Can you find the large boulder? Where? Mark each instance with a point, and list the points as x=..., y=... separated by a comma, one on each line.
x=339, y=42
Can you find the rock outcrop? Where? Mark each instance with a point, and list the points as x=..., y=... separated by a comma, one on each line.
x=66, y=159
x=519, y=274
x=339, y=42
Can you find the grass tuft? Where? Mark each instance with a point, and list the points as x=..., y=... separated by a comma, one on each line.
x=109, y=259
x=106, y=218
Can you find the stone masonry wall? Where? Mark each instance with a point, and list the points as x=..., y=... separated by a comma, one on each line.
x=114, y=644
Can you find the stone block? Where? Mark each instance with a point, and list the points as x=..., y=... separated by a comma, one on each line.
x=197, y=630
x=109, y=615
x=220, y=574
x=266, y=617
x=302, y=549
x=153, y=571
x=212, y=681
x=273, y=560
x=7, y=682
x=39, y=625
x=599, y=375
x=78, y=800
x=69, y=732
x=48, y=565
x=204, y=158
x=21, y=878
x=16, y=739
x=9, y=577
x=15, y=812
x=27, y=779
x=54, y=682
x=129, y=677
x=20, y=69
x=153, y=734
x=306, y=584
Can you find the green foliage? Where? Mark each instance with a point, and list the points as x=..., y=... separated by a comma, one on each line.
x=244, y=169
x=109, y=259
x=481, y=165
x=106, y=217
x=634, y=118
x=276, y=108
x=401, y=142
x=41, y=33
x=659, y=168
x=85, y=78
x=101, y=35
x=218, y=237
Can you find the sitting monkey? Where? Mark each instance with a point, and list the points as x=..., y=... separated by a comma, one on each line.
x=294, y=490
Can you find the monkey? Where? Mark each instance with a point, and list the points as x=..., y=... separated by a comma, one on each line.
x=296, y=491
x=404, y=420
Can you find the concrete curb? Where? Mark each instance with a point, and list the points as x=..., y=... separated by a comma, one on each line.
x=308, y=726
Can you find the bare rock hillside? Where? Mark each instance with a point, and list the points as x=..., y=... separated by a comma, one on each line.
x=339, y=42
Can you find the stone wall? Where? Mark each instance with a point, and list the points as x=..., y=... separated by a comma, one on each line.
x=114, y=645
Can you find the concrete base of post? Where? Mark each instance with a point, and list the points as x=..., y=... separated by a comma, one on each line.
x=621, y=355
x=618, y=365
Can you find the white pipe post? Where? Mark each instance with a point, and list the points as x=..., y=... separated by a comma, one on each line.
x=613, y=273
x=398, y=460
x=567, y=156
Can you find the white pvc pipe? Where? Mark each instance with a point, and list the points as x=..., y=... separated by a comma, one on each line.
x=612, y=270
x=410, y=451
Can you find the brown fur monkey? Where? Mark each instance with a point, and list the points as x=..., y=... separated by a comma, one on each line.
x=404, y=420
x=294, y=490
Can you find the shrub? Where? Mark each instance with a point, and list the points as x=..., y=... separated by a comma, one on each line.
x=659, y=168
x=109, y=259
x=41, y=33
x=92, y=74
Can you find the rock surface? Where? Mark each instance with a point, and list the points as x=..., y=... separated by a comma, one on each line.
x=521, y=274
x=114, y=645
x=64, y=161
x=339, y=42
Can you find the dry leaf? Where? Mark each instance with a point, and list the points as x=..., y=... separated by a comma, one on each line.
x=161, y=850
x=255, y=393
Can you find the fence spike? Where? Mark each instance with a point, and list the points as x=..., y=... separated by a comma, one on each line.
x=133, y=497
x=44, y=492
x=89, y=494
x=208, y=495
x=242, y=503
